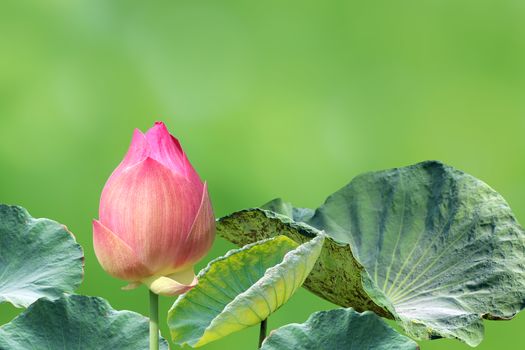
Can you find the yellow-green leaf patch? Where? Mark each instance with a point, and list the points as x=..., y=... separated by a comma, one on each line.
x=241, y=289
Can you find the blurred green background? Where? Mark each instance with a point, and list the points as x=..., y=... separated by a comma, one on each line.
x=269, y=98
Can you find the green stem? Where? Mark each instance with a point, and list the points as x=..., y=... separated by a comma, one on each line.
x=262, y=332
x=153, y=321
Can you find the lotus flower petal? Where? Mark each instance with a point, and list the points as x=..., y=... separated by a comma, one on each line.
x=200, y=237
x=151, y=209
x=115, y=256
x=167, y=150
x=137, y=152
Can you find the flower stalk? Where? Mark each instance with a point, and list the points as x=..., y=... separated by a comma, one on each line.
x=153, y=321
x=262, y=331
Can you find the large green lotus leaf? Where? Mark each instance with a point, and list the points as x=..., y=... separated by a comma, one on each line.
x=341, y=329
x=429, y=245
x=76, y=322
x=38, y=258
x=241, y=289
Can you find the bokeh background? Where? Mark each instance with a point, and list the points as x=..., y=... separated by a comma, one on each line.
x=269, y=98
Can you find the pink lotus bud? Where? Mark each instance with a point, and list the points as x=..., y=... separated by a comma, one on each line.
x=155, y=217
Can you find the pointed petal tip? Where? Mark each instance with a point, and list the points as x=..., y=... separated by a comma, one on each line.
x=138, y=149
x=166, y=148
x=96, y=224
x=138, y=138
x=137, y=132
x=204, y=191
x=159, y=127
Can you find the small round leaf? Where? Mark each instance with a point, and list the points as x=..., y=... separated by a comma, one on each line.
x=76, y=322
x=38, y=258
x=342, y=329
